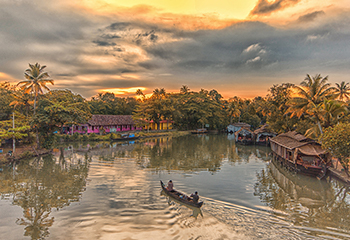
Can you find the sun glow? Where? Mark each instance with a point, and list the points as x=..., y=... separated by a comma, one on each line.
x=123, y=91
x=234, y=9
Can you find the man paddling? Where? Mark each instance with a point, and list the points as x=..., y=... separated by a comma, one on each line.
x=195, y=197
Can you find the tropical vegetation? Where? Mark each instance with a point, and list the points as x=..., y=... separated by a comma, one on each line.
x=313, y=108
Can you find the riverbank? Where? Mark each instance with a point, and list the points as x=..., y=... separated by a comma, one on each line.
x=21, y=152
x=337, y=171
x=27, y=151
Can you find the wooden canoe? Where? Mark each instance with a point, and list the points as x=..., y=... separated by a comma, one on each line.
x=180, y=197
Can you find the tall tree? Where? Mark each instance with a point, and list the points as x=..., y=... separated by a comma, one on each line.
x=22, y=100
x=36, y=80
x=310, y=94
x=342, y=91
x=337, y=140
x=6, y=97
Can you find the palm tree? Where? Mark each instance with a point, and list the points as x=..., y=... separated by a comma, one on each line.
x=22, y=99
x=311, y=94
x=36, y=80
x=233, y=109
x=184, y=89
x=342, y=91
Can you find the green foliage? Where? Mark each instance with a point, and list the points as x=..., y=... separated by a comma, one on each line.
x=108, y=104
x=93, y=137
x=6, y=97
x=337, y=141
x=20, y=132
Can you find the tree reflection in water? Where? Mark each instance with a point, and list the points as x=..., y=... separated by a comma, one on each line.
x=308, y=201
x=41, y=184
x=183, y=153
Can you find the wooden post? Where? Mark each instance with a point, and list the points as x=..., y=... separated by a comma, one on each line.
x=13, y=137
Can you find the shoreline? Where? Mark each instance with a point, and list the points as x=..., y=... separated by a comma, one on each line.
x=27, y=151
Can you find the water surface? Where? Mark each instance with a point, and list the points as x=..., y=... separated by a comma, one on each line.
x=112, y=191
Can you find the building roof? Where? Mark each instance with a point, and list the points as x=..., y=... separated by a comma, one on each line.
x=293, y=140
x=108, y=120
x=241, y=124
x=264, y=129
x=244, y=131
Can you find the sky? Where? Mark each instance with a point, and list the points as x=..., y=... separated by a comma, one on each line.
x=239, y=48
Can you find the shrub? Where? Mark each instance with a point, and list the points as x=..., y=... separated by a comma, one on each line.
x=92, y=137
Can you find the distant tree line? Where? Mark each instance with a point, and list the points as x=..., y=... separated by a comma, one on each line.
x=309, y=108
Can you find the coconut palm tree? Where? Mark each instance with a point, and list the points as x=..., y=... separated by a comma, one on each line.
x=342, y=91
x=36, y=80
x=310, y=96
x=22, y=99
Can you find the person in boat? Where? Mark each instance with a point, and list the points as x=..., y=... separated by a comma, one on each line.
x=170, y=186
x=195, y=197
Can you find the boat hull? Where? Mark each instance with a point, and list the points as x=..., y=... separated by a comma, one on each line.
x=176, y=195
x=308, y=170
x=125, y=139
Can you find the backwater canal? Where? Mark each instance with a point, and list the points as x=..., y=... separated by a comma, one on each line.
x=112, y=191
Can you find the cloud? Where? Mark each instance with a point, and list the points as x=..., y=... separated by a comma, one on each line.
x=252, y=48
x=256, y=59
x=265, y=7
x=309, y=17
x=86, y=51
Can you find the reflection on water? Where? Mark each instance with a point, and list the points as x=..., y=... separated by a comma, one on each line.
x=309, y=203
x=111, y=191
x=40, y=185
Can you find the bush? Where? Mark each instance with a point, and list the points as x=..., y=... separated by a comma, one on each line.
x=75, y=136
x=84, y=137
x=92, y=137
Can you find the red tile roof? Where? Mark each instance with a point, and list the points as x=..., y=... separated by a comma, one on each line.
x=109, y=120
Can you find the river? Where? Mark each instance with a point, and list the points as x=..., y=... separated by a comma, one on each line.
x=112, y=191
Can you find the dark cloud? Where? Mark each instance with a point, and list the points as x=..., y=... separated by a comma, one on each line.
x=110, y=36
x=265, y=7
x=310, y=16
x=148, y=65
x=104, y=43
x=104, y=51
x=118, y=26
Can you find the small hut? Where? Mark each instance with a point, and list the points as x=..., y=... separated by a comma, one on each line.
x=234, y=127
x=300, y=154
x=244, y=136
x=263, y=134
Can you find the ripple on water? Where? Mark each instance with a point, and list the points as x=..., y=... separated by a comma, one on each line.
x=262, y=224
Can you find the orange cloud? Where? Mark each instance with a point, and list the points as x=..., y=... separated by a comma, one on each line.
x=6, y=78
x=123, y=91
x=150, y=14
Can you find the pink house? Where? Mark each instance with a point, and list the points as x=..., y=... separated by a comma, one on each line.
x=106, y=123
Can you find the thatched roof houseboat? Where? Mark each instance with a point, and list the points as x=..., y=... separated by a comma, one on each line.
x=234, y=127
x=300, y=154
x=244, y=136
x=263, y=134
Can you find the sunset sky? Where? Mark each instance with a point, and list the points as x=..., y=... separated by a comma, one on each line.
x=239, y=48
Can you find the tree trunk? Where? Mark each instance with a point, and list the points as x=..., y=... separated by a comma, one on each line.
x=37, y=138
x=319, y=126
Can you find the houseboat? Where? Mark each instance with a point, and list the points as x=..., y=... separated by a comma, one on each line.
x=244, y=136
x=234, y=127
x=300, y=154
x=263, y=135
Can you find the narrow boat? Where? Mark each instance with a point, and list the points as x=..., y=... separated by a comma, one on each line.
x=200, y=131
x=300, y=154
x=126, y=137
x=180, y=197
